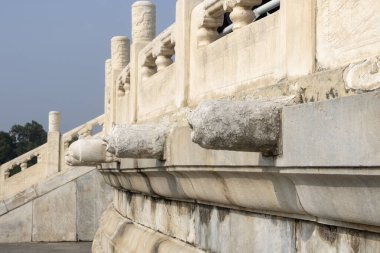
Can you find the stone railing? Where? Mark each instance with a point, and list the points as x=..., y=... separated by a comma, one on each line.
x=82, y=131
x=212, y=17
x=157, y=87
x=44, y=161
x=157, y=55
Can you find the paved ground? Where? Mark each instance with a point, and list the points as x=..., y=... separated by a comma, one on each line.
x=81, y=247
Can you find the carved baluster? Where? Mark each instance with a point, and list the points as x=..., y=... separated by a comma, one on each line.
x=24, y=165
x=163, y=54
x=241, y=14
x=212, y=19
x=149, y=67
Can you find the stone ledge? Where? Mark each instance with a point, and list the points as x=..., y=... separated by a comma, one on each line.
x=330, y=197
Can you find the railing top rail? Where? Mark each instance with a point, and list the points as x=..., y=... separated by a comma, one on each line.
x=92, y=123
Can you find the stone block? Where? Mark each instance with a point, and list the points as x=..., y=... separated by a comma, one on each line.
x=16, y=226
x=20, y=198
x=61, y=179
x=339, y=132
x=92, y=200
x=54, y=215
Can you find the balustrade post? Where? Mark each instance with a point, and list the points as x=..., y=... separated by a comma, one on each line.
x=143, y=32
x=107, y=96
x=120, y=57
x=53, y=144
x=298, y=28
x=184, y=9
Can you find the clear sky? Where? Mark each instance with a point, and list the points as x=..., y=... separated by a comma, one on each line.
x=52, y=55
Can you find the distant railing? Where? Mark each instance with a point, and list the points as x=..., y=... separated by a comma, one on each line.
x=45, y=160
x=25, y=161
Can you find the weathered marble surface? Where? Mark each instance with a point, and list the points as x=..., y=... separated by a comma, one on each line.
x=346, y=31
x=118, y=234
x=364, y=75
x=216, y=229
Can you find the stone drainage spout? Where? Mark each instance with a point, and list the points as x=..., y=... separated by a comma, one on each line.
x=87, y=152
x=137, y=141
x=238, y=125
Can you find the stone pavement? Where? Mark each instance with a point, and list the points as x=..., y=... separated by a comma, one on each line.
x=72, y=247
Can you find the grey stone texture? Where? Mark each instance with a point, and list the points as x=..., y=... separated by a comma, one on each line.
x=3, y=208
x=217, y=229
x=93, y=197
x=338, y=132
x=238, y=125
x=54, y=215
x=312, y=237
x=16, y=226
x=137, y=141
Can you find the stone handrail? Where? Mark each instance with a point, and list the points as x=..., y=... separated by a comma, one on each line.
x=157, y=55
x=82, y=131
x=23, y=160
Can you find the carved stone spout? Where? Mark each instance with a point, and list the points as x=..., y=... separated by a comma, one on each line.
x=137, y=141
x=238, y=125
x=87, y=152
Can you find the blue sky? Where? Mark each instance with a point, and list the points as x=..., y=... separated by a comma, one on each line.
x=52, y=55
